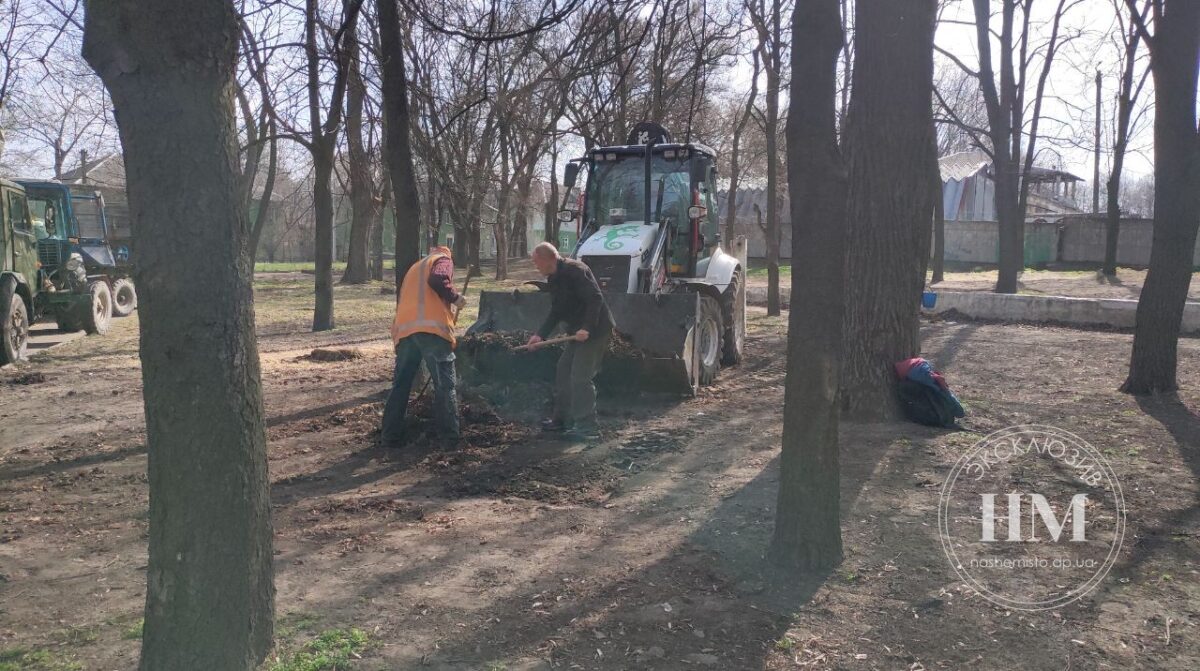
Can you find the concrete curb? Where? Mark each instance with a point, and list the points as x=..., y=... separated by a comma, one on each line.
x=1109, y=312
x=1112, y=312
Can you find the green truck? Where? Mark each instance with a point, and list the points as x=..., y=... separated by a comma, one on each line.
x=55, y=262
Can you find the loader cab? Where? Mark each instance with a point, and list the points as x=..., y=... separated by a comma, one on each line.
x=681, y=199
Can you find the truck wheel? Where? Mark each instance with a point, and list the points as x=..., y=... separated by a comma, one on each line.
x=733, y=313
x=124, y=297
x=708, y=339
x=14, y=329
x=96, y=321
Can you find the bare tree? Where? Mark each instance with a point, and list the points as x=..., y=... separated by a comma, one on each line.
x=1128, y=91
x=735, y=168
x=1007, y=113
x=1174, y=60
x=398, y=149
x=767, y=20
x=807, y=533
x=170, y=68
x=366, y=191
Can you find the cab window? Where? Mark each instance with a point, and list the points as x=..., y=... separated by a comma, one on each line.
x=18, y=213
x=45, y=217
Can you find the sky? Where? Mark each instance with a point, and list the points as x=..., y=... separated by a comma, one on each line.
x=1066, y=127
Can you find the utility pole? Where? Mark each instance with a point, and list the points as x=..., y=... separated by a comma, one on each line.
x=1096, y=177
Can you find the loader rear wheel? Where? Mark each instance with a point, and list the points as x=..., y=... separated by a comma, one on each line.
x=733, y=315
x=709, y=335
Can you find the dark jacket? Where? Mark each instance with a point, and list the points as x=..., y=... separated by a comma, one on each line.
x=577, y=301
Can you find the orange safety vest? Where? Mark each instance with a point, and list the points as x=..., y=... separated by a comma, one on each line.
x=420, y=309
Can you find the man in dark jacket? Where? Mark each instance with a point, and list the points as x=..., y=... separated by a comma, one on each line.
x=578, y=304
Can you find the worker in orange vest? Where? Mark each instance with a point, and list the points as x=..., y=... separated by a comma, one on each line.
x=423, y=330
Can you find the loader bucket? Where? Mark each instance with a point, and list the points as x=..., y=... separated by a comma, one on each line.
x=654, y=348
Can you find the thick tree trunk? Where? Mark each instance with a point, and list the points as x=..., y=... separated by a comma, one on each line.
x=890, y=152
x=1011, y=222
x=807, y=533
x=399, y=146
x=169, y=67
x=362, y=186
x=323, y=232
x=1174, y=58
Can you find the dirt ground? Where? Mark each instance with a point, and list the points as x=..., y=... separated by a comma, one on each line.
x=640, y=550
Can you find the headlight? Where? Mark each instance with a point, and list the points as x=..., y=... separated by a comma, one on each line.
x=74, y=263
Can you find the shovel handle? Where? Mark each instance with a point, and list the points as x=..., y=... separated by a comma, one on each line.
x=543, y=343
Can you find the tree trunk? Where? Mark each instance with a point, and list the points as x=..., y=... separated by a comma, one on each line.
x=1112, y=224
x=773, y=236
x=322, y=154
x=1174, y=58
x=551, y=228
x=890, y=154
x=362, y=186
x=1011, y=223
x=1126, y=96
x=807, y=533
x=939, y=227
x=169, y=67
x=262, y=216
x=734, y=168
x=399, y=146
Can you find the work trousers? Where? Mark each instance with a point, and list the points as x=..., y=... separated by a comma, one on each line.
x=438, y=356
x=574, y=392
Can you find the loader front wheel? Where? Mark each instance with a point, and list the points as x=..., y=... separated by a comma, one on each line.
x=733, y=314
x=709, y=335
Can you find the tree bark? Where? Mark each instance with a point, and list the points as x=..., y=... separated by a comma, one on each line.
x=939, y=227
x=775, y=60
x=1126, y=96
x=807, y=534
x=1174, y=59
x=169, y=67
x=362, y=186
x=399, y=143
x=263, y=214
x=323, y=157
x=890, y=157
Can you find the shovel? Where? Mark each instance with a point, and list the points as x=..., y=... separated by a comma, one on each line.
x=543, y=343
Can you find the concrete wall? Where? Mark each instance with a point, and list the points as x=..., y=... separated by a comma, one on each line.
x=1075, y=239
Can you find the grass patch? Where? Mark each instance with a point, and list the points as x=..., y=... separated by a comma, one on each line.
x=294, y=623
x=76, y=635
x=24, y=659
x=134, y=631
x=333, y=650
x=756, y=270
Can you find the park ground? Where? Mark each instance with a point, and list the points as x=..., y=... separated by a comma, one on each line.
x=640, y=550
